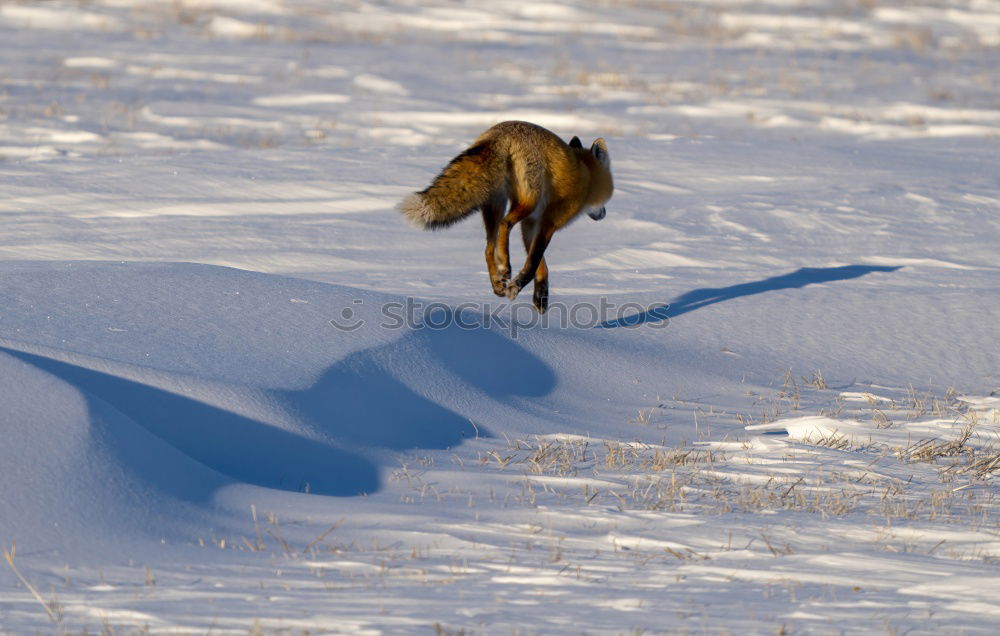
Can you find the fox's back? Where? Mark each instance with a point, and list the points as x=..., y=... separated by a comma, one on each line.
x=527, y=143
x=540, y=164
x=514, y=135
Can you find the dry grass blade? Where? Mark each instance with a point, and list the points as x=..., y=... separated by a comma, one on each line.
x=817, y=381
x=927, y=450
x=792, y=487
x=8, y=555
x=880, y=419
x=284, y=544
x=834, y=439
x=333, y=527
x=259, y=545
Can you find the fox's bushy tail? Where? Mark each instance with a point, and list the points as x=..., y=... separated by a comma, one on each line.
x=466, y=183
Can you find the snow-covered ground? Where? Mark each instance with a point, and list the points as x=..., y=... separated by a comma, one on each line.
x=238, y=393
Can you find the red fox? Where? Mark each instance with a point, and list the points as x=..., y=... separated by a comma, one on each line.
x=545, y=181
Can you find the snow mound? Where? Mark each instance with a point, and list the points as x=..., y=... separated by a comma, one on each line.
x=137, y=426
x=74, y=465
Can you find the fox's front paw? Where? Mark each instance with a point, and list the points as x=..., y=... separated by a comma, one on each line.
x=512, y=290
x=541, y=296
x=500, y=286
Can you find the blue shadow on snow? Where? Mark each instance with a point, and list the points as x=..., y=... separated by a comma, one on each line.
x=360, y=400
x=698, y=298
x=357, y=401
x=236, y=446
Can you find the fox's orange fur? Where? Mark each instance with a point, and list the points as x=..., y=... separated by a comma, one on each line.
x=517, y=172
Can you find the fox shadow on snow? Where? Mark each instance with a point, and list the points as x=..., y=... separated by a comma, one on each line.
x=377, y=409
x=698, y=298
x=357, y=403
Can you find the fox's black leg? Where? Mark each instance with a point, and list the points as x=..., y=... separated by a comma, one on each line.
x=535, y=255
x=541, y=296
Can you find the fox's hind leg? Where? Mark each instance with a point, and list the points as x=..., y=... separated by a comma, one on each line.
x=492, y=212
x=519, y=210
x=533, y=263
x=529, y=228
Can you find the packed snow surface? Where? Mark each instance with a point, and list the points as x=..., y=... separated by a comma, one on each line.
x=241, y=394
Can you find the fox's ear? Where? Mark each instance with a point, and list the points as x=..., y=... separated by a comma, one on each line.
x=575, y=143
x=600, y=150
